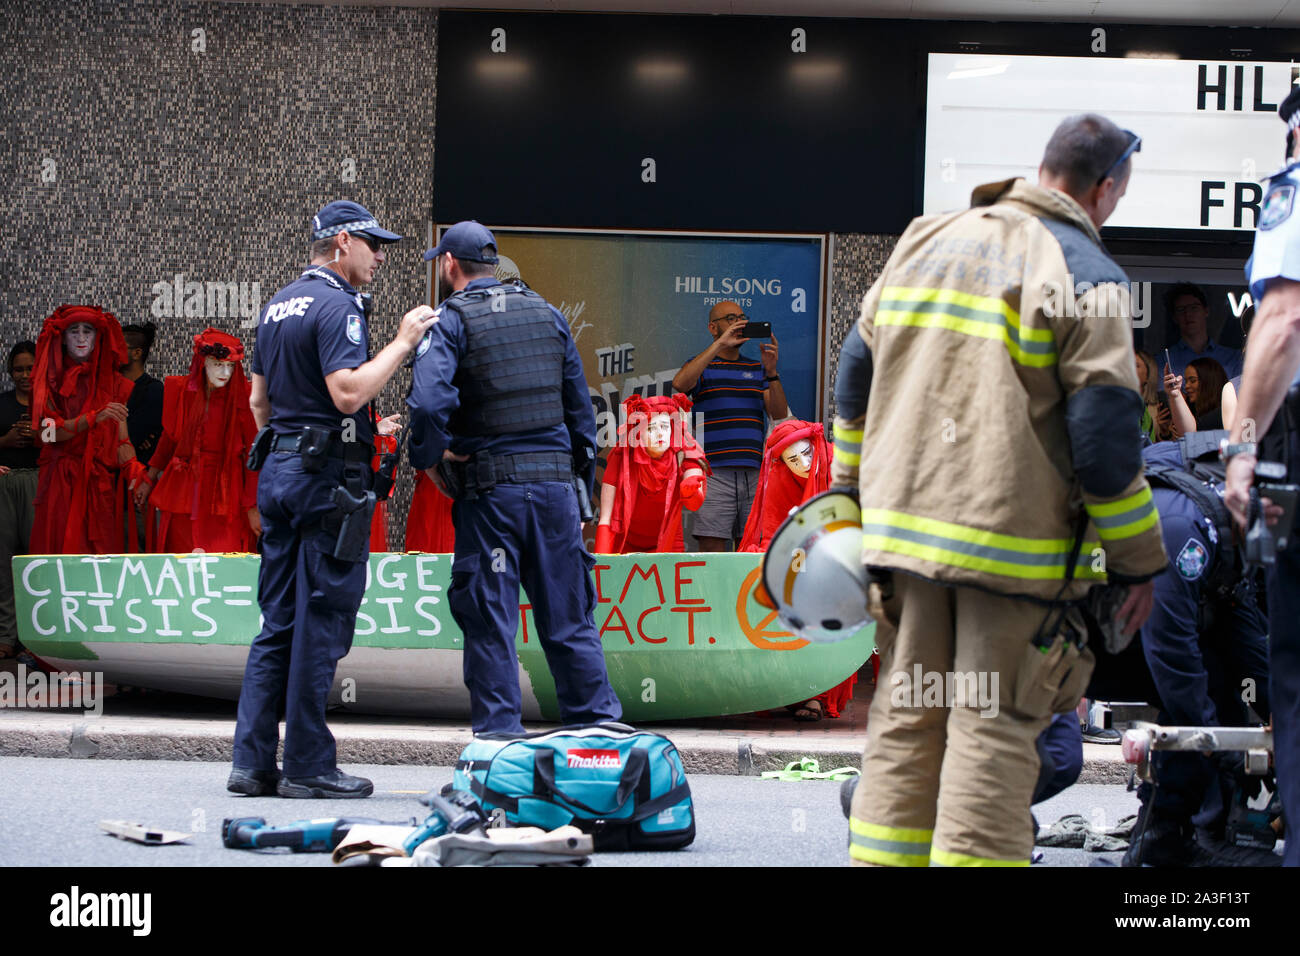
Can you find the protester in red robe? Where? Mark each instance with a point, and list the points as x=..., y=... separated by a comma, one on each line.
x=428, y=524
x=79, y=413
x=205, y=496
x=654, y=471
x=385, y=444
x=796, y=466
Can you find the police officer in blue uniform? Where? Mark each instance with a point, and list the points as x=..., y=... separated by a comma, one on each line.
x=1268, y=427
x=500, y=402
x=313, y=382
x=1204, y=643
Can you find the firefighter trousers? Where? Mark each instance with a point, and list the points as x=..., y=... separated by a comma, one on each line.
x=950, y=764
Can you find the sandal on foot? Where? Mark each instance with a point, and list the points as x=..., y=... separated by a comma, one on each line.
x=809, y=711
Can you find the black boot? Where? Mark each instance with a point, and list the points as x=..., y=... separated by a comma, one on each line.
x=1160, y=840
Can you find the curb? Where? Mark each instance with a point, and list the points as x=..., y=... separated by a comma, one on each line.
x=709, y=752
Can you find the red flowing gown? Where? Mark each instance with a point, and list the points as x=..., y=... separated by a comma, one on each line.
x=204, y=490
x=779, y=490
x=77, y=505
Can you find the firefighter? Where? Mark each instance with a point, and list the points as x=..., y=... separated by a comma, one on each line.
x=999, y=342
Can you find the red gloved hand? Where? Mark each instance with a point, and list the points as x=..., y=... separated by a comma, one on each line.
x=693, y=491
x=604, y=540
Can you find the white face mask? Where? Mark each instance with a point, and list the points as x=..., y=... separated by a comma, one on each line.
x=218, y=372
x=79, y=340
x=798, y=457
x=658, y=435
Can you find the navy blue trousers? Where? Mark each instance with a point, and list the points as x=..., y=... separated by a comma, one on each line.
x=309, y=603
x=1284, y=689
x=527, y=534
x=1060, y=749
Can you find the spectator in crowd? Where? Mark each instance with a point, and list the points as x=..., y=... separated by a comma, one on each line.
x=199, y=482
x=1151, y=409
x=1181, y=418
x=79, y=409
x=18, y=474
x=1203, y=381
x=1228, y=398
x=144, y=409
x=731, y=392
x=1195, y=397
x=1188, y=307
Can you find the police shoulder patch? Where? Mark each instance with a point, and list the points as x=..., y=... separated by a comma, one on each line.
x=424, y=343
x=354, y=329
x=1192, y=559
x=1277, y=205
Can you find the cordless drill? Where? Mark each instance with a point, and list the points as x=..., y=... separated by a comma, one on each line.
x=301, y=836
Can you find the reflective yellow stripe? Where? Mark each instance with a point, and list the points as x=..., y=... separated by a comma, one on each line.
x=847, y=458
x=975, y=315
x=850, y=435
x=884, y=858
x=1125, y=518
x=944, y=858
x=900, y=834
x=888, y=846
x=972, y=548
x=1108, y=508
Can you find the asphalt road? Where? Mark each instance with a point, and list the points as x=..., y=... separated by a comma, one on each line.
x=53, y=806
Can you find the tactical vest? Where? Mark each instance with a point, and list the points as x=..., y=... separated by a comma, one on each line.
x=512, y=377
x=1202, y=478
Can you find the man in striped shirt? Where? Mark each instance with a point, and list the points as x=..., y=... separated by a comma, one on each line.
x=732, y=392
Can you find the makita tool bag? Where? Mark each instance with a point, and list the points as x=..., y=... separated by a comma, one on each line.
x=625, y=787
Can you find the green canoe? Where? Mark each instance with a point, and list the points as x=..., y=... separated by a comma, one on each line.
x=683, y=636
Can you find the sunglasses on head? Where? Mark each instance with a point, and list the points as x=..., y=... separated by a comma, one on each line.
x=1134, y=146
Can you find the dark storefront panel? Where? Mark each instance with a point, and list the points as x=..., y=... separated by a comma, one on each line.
x=745, y=132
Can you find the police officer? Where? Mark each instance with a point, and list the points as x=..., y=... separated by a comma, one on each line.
x=1268, y=426
x=500, y=401
x=313, y=381
x=1204, y=643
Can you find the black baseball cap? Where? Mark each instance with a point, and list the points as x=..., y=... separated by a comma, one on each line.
x=350, y=217
x=467, y=240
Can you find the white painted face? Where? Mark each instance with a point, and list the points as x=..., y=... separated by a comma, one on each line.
x=218, y=372
x=798, y=457
x=659, y=434
x=79, y=341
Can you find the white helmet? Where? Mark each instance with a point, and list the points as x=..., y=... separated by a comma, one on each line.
x=813, y=572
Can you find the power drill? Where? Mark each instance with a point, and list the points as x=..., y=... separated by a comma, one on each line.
x=301, y=836
x=456, y=812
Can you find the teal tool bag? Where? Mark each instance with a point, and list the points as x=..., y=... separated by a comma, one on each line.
x=625, y=787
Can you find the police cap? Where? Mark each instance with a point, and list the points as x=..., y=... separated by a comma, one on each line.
x=350, y=217
x=467, y=240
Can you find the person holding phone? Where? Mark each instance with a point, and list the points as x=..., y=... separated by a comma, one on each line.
x=1181, y=419
x=735, y=394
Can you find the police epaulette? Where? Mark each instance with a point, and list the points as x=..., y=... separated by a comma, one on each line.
x=1281, y=172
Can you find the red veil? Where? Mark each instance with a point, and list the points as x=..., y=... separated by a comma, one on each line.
x=638, y=477
x=204, y=478
x=77, y=508
x=779, y=488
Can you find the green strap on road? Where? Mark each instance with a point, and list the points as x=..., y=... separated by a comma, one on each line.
x=806, y=768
